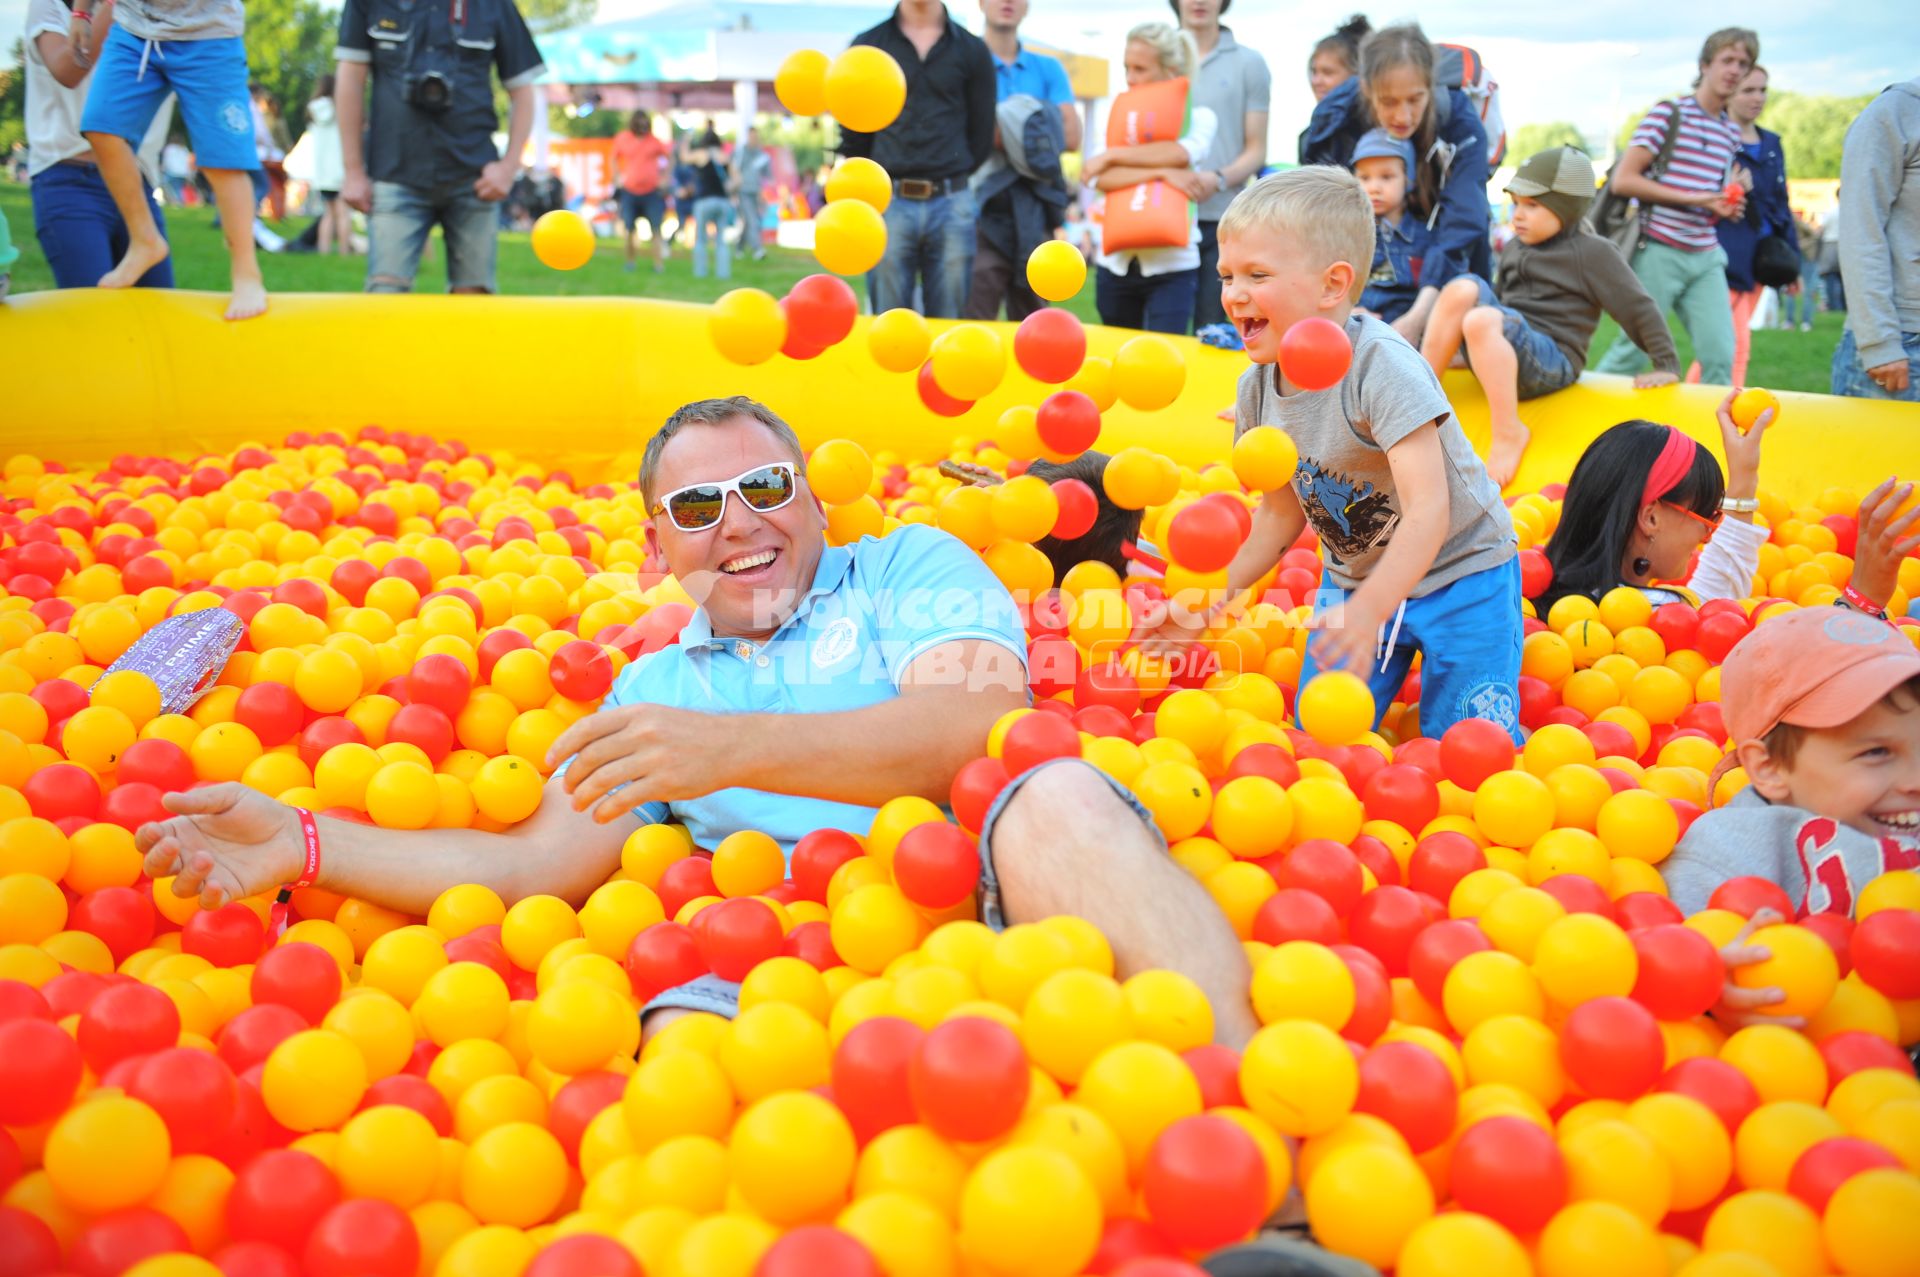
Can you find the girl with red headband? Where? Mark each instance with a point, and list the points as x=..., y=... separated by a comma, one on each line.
x=1643, y=498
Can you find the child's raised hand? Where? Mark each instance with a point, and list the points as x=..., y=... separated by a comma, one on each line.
x=1740, y=1006
x=1653, y=378
x=968, y=472
x=1742, y=449
x=1886, y=537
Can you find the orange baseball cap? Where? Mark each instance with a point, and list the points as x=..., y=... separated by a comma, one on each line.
x=1815, y=667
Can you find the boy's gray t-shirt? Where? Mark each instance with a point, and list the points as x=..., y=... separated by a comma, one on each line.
x=1820, y=863
x=1343, y=481
x=180, y=19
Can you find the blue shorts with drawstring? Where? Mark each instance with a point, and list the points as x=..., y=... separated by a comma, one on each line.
x=1542, y=366
x=1467, y=634
x=133, y=77
x=720, y=997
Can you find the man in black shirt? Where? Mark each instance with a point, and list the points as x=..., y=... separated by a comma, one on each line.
x=944, y=133
x=428, y=156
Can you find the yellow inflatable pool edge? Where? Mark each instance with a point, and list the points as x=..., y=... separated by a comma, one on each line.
x=89, y=375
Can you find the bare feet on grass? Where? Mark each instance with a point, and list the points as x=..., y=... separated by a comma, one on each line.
x=249, y=297
x=1510, y=440
x=142, y=256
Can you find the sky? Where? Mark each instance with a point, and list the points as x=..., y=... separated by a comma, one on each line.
x=1588, y=62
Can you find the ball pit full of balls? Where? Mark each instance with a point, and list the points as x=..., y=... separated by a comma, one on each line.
x=1484, y=1045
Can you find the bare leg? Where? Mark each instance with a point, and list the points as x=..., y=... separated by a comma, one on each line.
x=145, y=247
x=1442, y=339
x=654, y=230
x=1066, y=844
x=1498, y=369
x=324, y=243
x=233, y=192
x=629, y=231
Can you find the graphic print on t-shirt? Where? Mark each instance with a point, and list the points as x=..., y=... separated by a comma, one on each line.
x=1349, y=518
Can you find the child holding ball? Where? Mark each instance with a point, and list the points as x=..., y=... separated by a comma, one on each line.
x=1419, y=549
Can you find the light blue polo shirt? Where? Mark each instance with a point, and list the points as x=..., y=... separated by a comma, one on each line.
x=874, y=608
x=1034, y=74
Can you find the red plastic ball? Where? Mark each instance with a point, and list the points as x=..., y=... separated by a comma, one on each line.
x=255, y=1259
x=969, y=1079
x=1435, y=951
x=1715, y=1083
x=322, y=734
x=496, y=645
x=1315, y=353
x=193, y=1092
x=684, y=880
x=156, y=762
x=1441, y=860
x=1719, y=633
x=1217, y=1068
x=62, y=790
x=937, y=400
x=1327, y=869
x=812, y=942
x=1411, y=1089
x=1204, y=537
x=40, y=1068
x=1824, y=1167
x=1372, y=995
x=230, y=936
x=1386, y=923
x=364, y=1237
x=250, y=1036
x=871, y=1072
x=27, y=1245
x=1271, y=761
x=1205, y=1182
x=301, y=976
x=1050, y=345
x=1856, y=1049
x=1405, y=795
x=1294, y=913
x=1078, y=509
x=1536, y=573
x=1681, y=973
x=111, y=1244
x=1579, y=894
x=577, y=1103
x=813, y=1250
x=1511, y=1171
x=1474, y=749
x=664, y=956
x=936, y=866
x=735, y=936
x=279, y=1196
x=1133, y=1246
x=1885, y=950
x=425, y=727
x=442, y=681
x=272, y=711
x=404, y=1090
x=581, y=671
x=124, y=1021
x=820, y=853
x=821, y=310
x=121, y=917
x=1035, y=738
x=1612, y=1048
x=1747, y=896
x=1640, y=909
x=1068, y=422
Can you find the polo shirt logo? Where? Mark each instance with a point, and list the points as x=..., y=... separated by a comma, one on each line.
x=836, y=644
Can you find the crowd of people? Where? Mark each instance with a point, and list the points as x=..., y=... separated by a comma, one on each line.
x=1710, y=237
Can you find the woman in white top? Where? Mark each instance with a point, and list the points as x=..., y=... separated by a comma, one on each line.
x=79, y=227
x=1154, y=288
x=328, y=169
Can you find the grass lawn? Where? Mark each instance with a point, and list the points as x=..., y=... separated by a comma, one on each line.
x=1781, y=360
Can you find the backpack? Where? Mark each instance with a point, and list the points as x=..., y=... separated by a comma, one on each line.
x=1617, y=217
x=1459, y=66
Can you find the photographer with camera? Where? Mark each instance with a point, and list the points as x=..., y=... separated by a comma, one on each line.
x=427, y=152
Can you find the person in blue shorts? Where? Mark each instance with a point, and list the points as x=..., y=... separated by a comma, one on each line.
x=813, y=684
x=192, y=49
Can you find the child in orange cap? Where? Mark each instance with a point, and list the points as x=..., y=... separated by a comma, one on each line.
x=1823, y=708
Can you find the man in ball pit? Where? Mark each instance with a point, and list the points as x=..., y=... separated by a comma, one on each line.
x=813, y=684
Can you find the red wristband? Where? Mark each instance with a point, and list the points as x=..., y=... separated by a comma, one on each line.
x=83, y=15
x=1861, y=603
x=309, y=869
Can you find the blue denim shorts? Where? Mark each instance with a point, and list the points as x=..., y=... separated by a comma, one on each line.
x=719, y=997
x=650, y=208
x=1543, y=366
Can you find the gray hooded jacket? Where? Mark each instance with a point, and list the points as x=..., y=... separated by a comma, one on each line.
x=1820, y=863
x=1880, y=224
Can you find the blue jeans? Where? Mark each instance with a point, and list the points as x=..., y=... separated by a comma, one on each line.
x=1543, y=366
x=1468, y=636
x=712, y=217
x=1850, y=375
x=1206, y=294
x=402, y=218
x=1807, y=303
x=80, y=228
x=1151, y=303
x=930, y=244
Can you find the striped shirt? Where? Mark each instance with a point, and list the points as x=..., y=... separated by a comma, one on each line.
x=1701, y=161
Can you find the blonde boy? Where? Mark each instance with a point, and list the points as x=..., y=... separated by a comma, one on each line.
x=1419, y=550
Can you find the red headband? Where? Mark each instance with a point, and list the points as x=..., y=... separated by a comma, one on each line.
x=1670, y=467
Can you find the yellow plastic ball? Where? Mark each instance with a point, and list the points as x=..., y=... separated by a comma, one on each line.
x=1056, y=272
x=747, y=325
x=562, y=240
x=849, y=238
x=865, y=89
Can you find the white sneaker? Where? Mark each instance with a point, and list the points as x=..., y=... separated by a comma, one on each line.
x=268, y=239
x=1806, y=328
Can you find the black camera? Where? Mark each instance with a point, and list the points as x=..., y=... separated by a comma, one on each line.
x=430, y=91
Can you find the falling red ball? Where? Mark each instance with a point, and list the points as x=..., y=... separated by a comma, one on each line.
x=1068, y=422
x=1315, y=353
